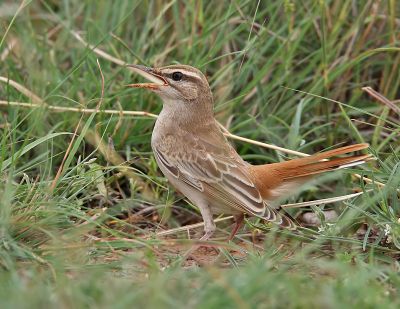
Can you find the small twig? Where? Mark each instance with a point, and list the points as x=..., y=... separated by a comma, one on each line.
x=322, y=201
x=274, y=147
x=190, y=227
x=78, y=109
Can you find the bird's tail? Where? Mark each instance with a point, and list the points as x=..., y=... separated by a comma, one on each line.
x=274, y=180
x=321, y=162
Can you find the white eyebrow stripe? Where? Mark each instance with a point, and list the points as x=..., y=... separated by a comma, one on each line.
x=187, y=73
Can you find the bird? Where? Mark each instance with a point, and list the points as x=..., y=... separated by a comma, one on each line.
x=197, y=159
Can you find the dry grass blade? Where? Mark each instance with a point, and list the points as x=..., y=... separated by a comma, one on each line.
x=381, y=98
x=97, y=50
x=25, y=91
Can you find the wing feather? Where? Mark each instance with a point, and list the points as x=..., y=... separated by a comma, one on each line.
x=216, y=169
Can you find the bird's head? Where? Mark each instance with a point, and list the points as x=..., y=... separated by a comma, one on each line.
x=175, y=83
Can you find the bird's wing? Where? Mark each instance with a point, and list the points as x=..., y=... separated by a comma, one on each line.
x=212, y=166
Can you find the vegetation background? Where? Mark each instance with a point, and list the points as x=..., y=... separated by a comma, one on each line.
x=86, y=218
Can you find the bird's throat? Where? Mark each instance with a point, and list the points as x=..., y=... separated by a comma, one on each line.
x=186, y=113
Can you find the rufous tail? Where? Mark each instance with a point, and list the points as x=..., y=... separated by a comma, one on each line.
x=278, y=179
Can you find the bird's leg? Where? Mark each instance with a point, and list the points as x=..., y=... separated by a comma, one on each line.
x=238, y=223
x=209, y=224
x=209, y=227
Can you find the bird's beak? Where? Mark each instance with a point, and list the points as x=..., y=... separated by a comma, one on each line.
x=150, y=74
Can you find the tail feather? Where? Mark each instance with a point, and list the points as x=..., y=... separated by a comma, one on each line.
x=312, y=168
x=329, y=154
x=288, y=221
x=278, y=179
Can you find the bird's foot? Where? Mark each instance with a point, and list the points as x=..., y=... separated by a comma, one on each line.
x=238, y=224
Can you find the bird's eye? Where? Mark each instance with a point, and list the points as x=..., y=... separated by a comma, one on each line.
x=177, y=76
